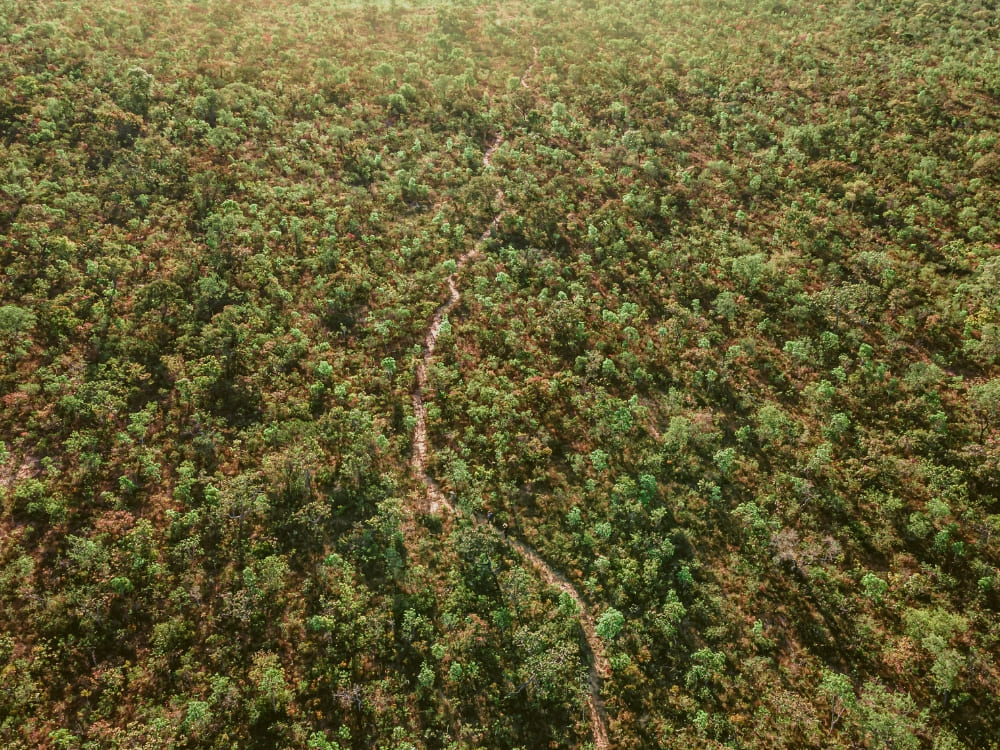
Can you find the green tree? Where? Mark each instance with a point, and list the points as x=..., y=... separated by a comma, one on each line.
x=874, y=587
x=891, y=718
x=15, y=323
x=270, y=682
x=839, y=691
x=610, y=624
x=984, y=398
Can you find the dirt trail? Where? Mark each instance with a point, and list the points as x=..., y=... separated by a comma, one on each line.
x=439, y=502
x=598, y=666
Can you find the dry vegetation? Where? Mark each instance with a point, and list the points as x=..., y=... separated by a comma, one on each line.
x=728, y=362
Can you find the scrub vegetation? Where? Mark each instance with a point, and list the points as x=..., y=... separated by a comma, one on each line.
x=458, y=375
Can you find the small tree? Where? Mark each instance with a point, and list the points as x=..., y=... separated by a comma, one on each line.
x=984, y=398
x=840, y=692
x=269, y=678
x=875, y=588
x=610, y=624
x=15, y=322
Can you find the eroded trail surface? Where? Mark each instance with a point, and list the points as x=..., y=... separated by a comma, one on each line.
x=439, y=502
x=598, y=667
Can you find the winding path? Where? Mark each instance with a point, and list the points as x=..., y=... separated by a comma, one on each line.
x=438, y=501
x=598, y=660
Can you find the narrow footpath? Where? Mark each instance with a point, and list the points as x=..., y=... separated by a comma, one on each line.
x=438, y=502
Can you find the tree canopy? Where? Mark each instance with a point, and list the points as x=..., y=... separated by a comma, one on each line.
x=725, y=360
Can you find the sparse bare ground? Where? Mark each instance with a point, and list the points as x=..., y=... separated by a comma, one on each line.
x=18, y=470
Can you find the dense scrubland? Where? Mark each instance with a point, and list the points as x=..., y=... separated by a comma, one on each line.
x=728, y=363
